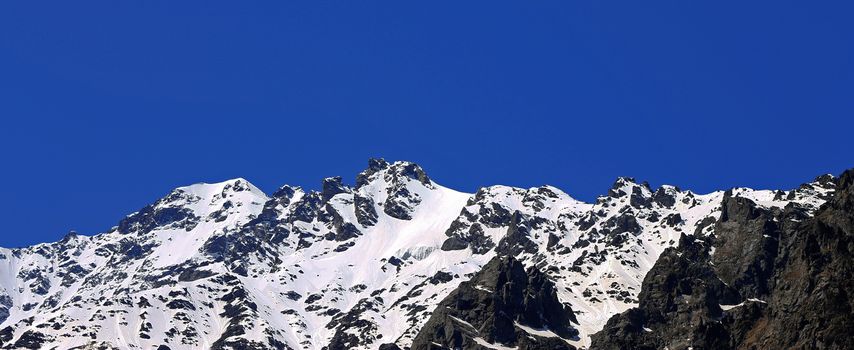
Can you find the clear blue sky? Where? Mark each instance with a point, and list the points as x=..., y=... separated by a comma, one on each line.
x=107, y=105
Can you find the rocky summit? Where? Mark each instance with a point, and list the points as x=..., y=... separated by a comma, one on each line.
x=397, y=261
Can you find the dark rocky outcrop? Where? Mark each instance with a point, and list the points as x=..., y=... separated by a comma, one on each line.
x=441, y=277
x=454, y=243
x=664, y=197
x=306, y=209
x=31, y=340
x=389, y=346
x=462, y=235
x=331, y=187
x=5, y=304
x=366, y=215
x=639, y=198
x=765, y=279
x=351, y=330
x=493, y=305
x=679, y=305
x=746, y=244
x=517, y=240
x=152, y=217
x=494, y=215
x=401, y=202
x=342, y=230
x=811, y=305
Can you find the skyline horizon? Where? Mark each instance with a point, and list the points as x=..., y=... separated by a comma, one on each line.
x=307, y=189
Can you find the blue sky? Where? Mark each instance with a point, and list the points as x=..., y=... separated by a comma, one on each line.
x=106, y=106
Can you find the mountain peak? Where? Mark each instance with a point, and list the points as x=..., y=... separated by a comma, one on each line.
x=223, y=188
x=394, y=172
x=374, y=165
x=186, y=206
x=412, y=171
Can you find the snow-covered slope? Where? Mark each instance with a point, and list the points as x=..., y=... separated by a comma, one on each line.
x=224, y=266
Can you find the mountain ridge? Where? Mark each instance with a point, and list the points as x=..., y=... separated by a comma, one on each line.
x=344, y=267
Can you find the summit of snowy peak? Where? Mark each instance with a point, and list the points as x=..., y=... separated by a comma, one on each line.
x=398, y=187
x=639, y=195
x=399, y=171
x=70, y=237
x=625, y=184
x=186, y=206
x=411, y=171
x=221, y=190
x=622, y=181
x=214, y=194
x=374, y=165
x=286, y=191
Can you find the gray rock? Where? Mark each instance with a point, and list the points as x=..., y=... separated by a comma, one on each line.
x=331, y=187
x=490, y=305
x=787, y=275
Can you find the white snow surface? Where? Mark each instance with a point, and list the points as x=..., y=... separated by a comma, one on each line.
x=189, y=272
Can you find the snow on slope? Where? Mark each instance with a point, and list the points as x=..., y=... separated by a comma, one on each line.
x=225, y=266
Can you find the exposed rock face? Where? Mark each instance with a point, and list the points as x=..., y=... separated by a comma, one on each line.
x=5, y=304
x=333, y=186
x=401, y=200
x=746, y=245
x=811, y=305
x=679, y=305
x=366, y=213
x=516, y=240
x=160, y=214
x=499, y=305
x=766, y=279
x=486, y=212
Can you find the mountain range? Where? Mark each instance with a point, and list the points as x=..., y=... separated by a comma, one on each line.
x=397, y=261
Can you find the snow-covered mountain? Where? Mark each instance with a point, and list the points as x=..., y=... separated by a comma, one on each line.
x=226, y=266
